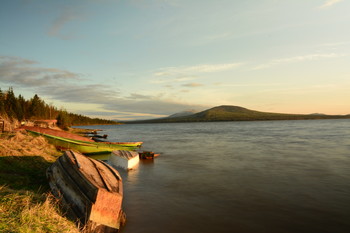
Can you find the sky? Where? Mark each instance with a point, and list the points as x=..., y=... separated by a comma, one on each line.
x=142, y=59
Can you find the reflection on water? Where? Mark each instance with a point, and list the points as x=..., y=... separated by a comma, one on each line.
x=132, y=176
x=278, y=176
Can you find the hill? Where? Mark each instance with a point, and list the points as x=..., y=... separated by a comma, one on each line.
x=183, y=113
x=236, y=113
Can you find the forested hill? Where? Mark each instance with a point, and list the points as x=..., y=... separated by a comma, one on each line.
x=235, y=113
x=18, y=108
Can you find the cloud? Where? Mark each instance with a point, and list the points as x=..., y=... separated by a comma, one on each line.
x=187, y=73
x=88, y=93
x=111, y=100
x=62, y=85
x=172, y=78
x=149, y=106
x=66, y=15
x=119, y=115
x=146, y=106
x=138, y=96
x=309, y=57
x=211, y=68
x=206, y=68
x=329, y=3
x=21, y=72
x=192, y=85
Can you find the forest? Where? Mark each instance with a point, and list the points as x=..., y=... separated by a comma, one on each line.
x=18, y=108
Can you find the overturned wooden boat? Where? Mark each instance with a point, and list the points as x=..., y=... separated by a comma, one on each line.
x=68, y=141
x=90, y=190
x=124, y=159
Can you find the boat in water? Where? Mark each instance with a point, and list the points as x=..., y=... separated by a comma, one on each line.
x=69, y=141
x=147, y=155
x=90, y=190
x=124, y=159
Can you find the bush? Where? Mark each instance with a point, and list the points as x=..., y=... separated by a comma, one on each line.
x=63, y=120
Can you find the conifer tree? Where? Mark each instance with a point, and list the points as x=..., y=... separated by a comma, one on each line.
x=24, y=106
x=2, y=103
x=20, y=107
x=36, y=107
x=63, y=120
x=11, y=104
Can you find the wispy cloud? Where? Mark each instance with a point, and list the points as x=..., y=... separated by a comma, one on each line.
x=187, y=73
x=205, y=68
x=173, y=78
x=309, y=57
x=152, y=106
x=329, y=3
x=66, y=15
x=192, y=85
x=82, y=93
x=120, y=115
x=22, y=72
x=61, y=85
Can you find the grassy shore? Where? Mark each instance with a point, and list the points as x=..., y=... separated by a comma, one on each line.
x=26, y=204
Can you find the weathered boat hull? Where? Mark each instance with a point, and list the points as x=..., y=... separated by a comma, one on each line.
x=91, y=191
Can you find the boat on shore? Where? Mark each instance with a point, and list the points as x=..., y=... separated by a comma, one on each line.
x=68, y=141
x=90, y=190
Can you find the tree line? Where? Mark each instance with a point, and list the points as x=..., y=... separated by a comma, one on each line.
x=17, y=107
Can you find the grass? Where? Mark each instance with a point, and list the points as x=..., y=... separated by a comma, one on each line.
x=26, y=204
x=28, y=211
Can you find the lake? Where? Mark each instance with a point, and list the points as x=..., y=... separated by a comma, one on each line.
x=262, y=176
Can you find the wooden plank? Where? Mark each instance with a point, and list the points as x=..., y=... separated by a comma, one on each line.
x=106, y=209
x=76, y=200
x=109, y=177
x=89, y=189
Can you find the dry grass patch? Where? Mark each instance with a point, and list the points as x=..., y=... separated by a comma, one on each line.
x=25, y=211
x=21, y=143
x=25, y=202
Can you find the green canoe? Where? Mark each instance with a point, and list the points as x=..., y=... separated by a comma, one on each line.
x=85, y=147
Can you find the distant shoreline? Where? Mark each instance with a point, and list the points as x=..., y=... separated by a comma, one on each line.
x=174, y=122
x=236, y=113
x=152, y=121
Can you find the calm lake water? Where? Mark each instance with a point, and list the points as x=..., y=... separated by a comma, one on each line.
x=246, y=177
